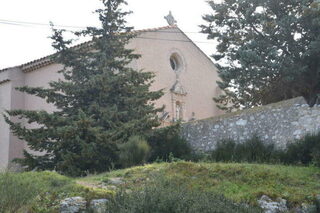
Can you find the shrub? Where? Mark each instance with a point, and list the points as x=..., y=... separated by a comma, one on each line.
x=304, y=151
x=252, y=150
x=224, y=151
x=316, y=156
x=256, y=150
x=134, y=152
x=163, y=196
x=168, y=140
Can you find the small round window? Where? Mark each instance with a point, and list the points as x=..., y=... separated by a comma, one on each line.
x=175, y=62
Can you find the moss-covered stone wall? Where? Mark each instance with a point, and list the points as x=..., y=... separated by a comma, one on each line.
x=280, y=123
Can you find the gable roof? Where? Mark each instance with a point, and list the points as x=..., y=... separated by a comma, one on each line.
x=45, y=61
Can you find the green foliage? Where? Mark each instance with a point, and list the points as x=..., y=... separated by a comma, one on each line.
x=15, y=192
x=316, y=156
x=252, y=150
x=239, y=182
x=136, y=151
x=268, y=50
x=167, y=141
x=224, y=151
x=45, y=203
x=162, y=196
x=304, y=151
x=41, y=192
x=33, y=191
x=101, y=102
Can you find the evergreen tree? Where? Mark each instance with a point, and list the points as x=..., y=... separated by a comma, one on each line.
x=100, y=103
x=268, y=50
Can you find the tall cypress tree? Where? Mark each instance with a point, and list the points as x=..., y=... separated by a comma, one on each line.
x=100, y=103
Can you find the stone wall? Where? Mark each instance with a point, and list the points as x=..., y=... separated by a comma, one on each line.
x=280, y=123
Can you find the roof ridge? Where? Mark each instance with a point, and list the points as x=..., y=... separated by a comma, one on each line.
x=45, y=60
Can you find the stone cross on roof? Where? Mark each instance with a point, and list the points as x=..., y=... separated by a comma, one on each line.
x=170, y=19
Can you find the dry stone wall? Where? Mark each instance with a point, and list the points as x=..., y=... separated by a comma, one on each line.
x=280, y=123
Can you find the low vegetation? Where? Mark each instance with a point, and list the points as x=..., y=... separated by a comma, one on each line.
x=229, y=179
x=252, y=150
x=305, y=151
x=224, y=185
x=241, y=183
x=35, y=192
x=166, y=142
x=134, y=152
x=161, y=195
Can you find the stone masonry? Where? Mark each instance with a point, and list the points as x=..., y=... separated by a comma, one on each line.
x=281, y=123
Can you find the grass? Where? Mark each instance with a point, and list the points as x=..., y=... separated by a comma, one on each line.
x=35, y=192
x=241, y=183
x=238, y=182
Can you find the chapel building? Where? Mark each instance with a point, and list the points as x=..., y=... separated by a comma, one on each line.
x=186, y=74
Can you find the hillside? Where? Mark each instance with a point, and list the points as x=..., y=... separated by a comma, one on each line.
x=240, y=183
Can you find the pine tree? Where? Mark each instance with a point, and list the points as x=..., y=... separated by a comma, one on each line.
x=268, y=50
x=100, y=103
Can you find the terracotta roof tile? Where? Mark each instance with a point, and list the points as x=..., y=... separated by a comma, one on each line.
x=45, y=61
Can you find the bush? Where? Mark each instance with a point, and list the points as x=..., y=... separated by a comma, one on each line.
x=167, y=141
x=136, y=151
x=316, y=156
x=225, y=151
x=252, y=150
x=256, y=150
x=163, y=196
x=304, y=151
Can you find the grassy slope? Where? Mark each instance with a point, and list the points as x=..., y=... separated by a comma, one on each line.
x=239, y=182
x=35, y=192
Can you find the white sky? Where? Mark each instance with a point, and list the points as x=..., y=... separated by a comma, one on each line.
x=20, y=44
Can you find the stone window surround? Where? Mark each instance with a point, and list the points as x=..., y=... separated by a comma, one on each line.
x=178, y=55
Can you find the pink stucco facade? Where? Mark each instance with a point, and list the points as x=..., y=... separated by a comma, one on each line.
x=189, y=82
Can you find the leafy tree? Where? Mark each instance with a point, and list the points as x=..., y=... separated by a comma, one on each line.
x=268, y=50
x=100, y=103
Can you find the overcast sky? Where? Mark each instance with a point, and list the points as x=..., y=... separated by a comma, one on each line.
x=20, y=43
